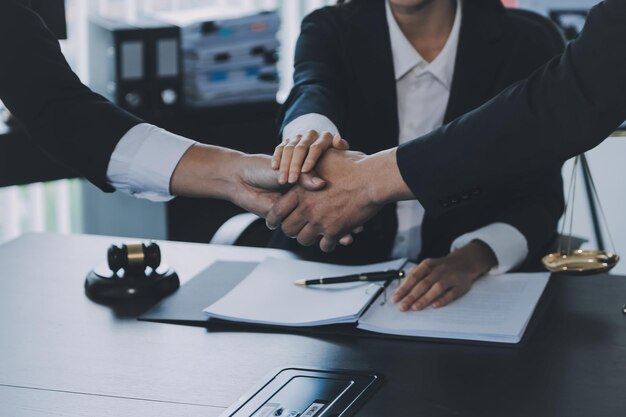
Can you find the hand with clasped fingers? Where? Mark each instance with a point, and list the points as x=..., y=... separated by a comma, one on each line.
x=357, y=187
x=299, y=155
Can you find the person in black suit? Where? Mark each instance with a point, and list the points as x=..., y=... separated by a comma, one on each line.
x=365, y=70
x=105, y=144
x=568, y=106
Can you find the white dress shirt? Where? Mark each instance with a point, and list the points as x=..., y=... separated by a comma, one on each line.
x=144, y=160
x=423, y=91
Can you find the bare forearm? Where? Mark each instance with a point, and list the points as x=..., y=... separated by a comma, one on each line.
x=207, y=171
x=245, y=180
x=385, y=183
x=477, y=257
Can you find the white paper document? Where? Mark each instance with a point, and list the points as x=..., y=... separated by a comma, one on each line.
x=269, y=296
x=496, y=309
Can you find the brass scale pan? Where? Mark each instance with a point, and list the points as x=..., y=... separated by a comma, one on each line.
x=581, y=262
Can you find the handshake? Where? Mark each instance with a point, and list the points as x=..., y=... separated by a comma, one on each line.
x=324, y=199
x=313, y=187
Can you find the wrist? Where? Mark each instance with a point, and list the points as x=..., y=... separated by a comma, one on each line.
x=231, y=167
x=207, y=171
x=480, y=258
x=385, y=184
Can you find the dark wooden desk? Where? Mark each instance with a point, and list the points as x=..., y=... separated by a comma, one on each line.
x=61, y=354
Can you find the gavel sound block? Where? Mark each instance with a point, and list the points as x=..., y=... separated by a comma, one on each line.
x=133, y=271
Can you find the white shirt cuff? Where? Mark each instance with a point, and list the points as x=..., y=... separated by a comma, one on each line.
x=507, y=243
x=144, y=160
x=306, y=122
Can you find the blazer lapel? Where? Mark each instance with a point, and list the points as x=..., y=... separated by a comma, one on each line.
x=370, y=56
x=481, y=50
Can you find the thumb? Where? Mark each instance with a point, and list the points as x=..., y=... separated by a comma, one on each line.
x=311, y=182
x=340, y=144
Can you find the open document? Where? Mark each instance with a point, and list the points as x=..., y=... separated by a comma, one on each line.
x=268, y=295
x=497, y=309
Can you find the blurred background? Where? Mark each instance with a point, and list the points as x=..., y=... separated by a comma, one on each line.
x=244, y=75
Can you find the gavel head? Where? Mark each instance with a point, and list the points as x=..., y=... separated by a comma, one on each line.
x=133, y=258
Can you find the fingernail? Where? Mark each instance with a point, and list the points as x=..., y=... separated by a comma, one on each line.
x=317, y=181
x=274, y=165
x=293, y=178
x=416, y=308
x=282, y=179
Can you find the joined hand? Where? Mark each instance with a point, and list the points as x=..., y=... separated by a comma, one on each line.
x=358, y=186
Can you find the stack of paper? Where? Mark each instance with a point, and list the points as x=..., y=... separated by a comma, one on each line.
x=229, y=56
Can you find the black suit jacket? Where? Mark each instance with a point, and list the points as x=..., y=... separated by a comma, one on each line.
x=67, y=120
x=568, y=106
x=344, y=70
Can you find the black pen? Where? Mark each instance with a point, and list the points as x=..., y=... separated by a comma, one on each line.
x=365, y=277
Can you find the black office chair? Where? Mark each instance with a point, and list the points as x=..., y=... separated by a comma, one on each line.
x=244, y=229
x=557, y=37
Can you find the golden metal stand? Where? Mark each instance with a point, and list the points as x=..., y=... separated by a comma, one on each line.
x=581, y=262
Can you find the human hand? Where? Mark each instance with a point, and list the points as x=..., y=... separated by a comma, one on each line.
x=438, y=282
x=258, y=188
x=358, y=186
x=245, y=180
x=300, y=154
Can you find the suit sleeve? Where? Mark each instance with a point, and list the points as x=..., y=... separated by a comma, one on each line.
x=534, y=210
x=535, y=203
x=65, y=118
x=565, y=108
x=317, y=79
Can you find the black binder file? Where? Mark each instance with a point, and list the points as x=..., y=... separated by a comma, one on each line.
x=136, y=64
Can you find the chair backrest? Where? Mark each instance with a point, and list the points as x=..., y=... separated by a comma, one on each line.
x=245, y=229
x=557, y=37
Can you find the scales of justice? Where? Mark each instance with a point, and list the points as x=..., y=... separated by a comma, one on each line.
x=569, y=261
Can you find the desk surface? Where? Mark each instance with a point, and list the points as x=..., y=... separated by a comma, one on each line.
x=61, y=354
